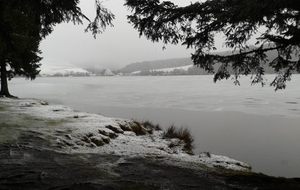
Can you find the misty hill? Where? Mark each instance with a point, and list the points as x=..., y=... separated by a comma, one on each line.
x=100, y=71
x=158, y=64
x=62, y=71
x=180, y=66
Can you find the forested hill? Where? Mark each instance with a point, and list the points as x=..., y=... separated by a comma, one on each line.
x=158, y=64
x=147, y=66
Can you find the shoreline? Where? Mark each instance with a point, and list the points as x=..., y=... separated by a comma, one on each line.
x=81, y=132
x=252, y=138
x=241, y=135
x=35, y=126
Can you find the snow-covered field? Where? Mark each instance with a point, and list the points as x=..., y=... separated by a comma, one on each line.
x=65, y=70
x=184, y=68
x=78, y=132
x=166, y=70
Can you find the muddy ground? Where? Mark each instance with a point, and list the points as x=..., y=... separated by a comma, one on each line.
x=23, y=166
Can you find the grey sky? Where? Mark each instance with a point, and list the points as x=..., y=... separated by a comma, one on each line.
x=116, y=47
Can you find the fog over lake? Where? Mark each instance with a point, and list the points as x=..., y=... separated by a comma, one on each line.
x=252, y=124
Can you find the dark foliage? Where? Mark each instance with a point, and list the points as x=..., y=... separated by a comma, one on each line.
x=275, y=22
x=19, y=42
x=23, y=24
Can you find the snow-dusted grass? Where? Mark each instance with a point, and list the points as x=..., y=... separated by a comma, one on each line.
x=77, y=132
x=181, y=134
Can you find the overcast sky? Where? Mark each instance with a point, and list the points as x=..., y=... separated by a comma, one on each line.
x=116, y=47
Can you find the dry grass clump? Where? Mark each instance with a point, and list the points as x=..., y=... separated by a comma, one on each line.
x=183, y=134
x=138, y=128
x=150, y=125
x=125, y=127
x=143, y=128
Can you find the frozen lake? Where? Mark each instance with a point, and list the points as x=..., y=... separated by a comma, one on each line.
x=250, y=123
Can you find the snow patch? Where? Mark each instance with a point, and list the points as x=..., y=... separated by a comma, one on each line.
x=184, y=68
x=63, y=70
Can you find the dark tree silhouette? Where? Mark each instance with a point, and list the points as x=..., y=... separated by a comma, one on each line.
x=273, y=24
x=19, y=43
x=23, y=24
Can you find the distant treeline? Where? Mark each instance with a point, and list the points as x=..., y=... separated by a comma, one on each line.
x=158, y=64
x=151, y=67
x=190, y=71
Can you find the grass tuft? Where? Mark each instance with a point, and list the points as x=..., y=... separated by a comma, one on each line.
x=138, y=128
x=182, y=134
x=143, y=128
x=125, y=127
x=149, y=125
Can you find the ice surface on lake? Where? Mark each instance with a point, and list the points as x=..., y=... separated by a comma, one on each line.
x=197, y=93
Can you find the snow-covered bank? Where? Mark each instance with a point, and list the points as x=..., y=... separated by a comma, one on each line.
x=70, y=131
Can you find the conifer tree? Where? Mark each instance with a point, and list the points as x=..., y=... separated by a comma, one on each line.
x=273, y=24
x=19, y=43
x=23, y=24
